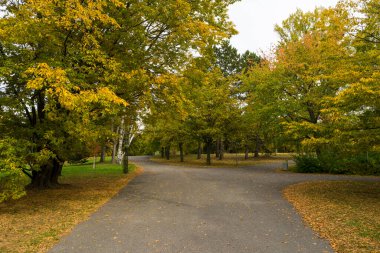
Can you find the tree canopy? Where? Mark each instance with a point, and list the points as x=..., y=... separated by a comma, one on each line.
x=77, y=75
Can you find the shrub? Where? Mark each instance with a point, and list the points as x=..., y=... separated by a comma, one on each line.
x=12, y=179
x=308, y=164
x=339, y=163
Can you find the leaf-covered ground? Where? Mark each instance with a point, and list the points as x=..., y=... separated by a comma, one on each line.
x=346, y=213
x=37, y=221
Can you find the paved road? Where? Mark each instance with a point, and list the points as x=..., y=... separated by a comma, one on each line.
x=178, y=209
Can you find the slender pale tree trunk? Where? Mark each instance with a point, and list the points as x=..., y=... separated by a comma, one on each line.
x=120, y=152
x=114, y=147
x=130, y=135
x=246, y=152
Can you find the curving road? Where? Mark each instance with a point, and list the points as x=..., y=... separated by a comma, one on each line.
x=177, y=209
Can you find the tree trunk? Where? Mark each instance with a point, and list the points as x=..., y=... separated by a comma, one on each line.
x=181, y=151
x=257, y=149
x=114, y=148
x=221, y=151
x=217, y=150
x=246, y=152
x=47, y=175
x=208, y=151
x=120, y=152
x=167, y=152
x=126, y=158
x=162, y=152
x=199, y=155
x=57, y=171
x=103, y=154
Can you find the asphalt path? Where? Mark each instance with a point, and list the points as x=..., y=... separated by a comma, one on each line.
x=205, y=210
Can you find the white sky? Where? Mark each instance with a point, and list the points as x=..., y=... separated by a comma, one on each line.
x=255, y=20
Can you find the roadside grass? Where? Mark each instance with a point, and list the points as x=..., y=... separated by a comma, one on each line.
x=37, y=221
x=229, y=160
x=345, y=213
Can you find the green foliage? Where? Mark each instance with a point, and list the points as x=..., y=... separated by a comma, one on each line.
x=330, y=161
x=12, y=180
x=68, y=68
x=308, y=164
x=320, y=91
x=230, y=62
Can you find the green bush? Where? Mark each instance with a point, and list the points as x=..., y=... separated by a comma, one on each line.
x=12, y=179
x=364, y=163
x=308, y=164
x=339, y=163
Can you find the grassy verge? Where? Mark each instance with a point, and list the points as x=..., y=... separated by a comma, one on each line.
x=36, y=222
x=229, y=160
x=346, y=213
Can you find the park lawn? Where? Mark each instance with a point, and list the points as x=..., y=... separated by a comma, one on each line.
x=345, y=213
x=229, y=160
x=37, y=221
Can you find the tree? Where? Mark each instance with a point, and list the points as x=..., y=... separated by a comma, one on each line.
x=321, y=86
x=313, y=63
x=211, y=103
x=92, y=59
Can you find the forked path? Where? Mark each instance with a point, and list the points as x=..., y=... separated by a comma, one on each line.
x=177, y=209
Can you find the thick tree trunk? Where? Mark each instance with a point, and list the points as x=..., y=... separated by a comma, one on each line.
x=162, y=152
x=181, y=151
x=246, y=152
x=199, y=155
x=47, y=176
x=57, y=172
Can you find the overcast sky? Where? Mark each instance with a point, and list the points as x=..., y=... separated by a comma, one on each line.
x=255, y=20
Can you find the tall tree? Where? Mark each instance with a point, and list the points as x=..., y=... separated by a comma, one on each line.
x=65, y=64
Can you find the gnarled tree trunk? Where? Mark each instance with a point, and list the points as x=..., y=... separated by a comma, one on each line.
x=47, y=175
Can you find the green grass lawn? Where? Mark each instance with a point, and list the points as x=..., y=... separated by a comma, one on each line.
x=101, y=169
